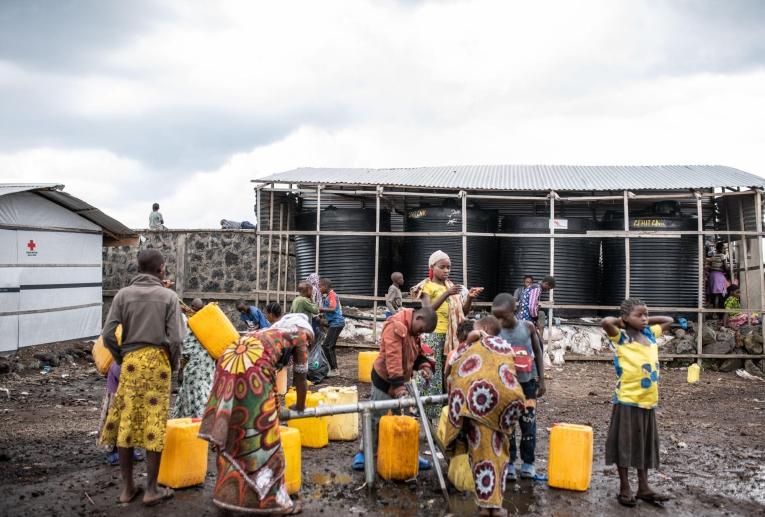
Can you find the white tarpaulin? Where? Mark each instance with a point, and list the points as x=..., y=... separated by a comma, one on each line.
x=50, y=273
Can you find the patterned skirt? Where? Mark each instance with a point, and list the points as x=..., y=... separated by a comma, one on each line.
x=137, y=416
x=197, y=383
x=436, y=384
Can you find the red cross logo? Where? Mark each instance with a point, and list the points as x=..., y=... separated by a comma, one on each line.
x=31, y=245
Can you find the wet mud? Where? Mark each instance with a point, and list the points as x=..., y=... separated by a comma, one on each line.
x=712, y=452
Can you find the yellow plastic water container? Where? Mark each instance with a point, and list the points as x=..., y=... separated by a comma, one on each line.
x=313, y=431
x=101, y=355
x=398, y=447
x=460, y=474
x=569, y=463
x=366, y=360
x=441, y=430
x=291, y=446
x=694, y=371
x=184, y=460
x=213, y=329
x=281, y=381
x=341, y=427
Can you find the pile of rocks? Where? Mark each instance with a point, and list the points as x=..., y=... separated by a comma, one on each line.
x=719, y=340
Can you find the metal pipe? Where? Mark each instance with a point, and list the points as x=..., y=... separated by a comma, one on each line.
x=700, y=317
x=318, y=225
x=758, y=220
x=375, y=281
x=552, y=269
x=258, y=201
x=627, y=245
x=359, y=407
x=465, y=282
x=270, y=246
x=369, y=450
x=744, y=246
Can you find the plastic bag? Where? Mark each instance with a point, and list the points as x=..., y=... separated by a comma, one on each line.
x=318, y=366
x=460, y=474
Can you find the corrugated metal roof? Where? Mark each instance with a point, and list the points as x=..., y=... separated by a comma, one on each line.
x=530, y=177
x=53, y=192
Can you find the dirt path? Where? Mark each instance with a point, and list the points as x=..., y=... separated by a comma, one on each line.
x=713, y=452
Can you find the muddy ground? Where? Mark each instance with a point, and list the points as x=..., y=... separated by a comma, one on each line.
x=713, y=452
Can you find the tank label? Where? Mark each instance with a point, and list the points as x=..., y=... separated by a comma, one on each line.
x=416, y=214
x=649, y=223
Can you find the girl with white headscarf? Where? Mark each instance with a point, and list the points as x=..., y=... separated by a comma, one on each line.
x=451, y=303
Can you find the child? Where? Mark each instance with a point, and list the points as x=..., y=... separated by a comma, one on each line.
x=400, y=355
x=151, y=348
x=394, y=300
x=333, y=311
x=273, y=312
x=198, y=373
x=633, y=438
x=529, y=366
x=156, y=221
x=302, y=303
x=112, y=380
x=252, y=316
x=734, y=318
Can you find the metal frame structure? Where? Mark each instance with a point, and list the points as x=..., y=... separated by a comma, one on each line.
x=551, y=197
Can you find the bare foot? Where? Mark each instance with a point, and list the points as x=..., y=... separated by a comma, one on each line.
x=297, y=507
x=128, y=494
x=151, y=499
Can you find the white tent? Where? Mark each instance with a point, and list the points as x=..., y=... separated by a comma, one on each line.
x=50, y=265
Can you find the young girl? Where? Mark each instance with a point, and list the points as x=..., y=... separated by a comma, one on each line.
x=198, y=373
x=451, y=303
x=734, y=318
x=633, y=438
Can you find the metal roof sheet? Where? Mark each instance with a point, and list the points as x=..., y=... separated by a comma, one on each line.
x=530, y=177
x=53, y=192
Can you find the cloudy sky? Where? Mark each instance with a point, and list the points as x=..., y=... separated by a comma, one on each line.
x=183, y=103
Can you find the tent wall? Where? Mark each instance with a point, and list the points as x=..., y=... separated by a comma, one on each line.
x=50, y=279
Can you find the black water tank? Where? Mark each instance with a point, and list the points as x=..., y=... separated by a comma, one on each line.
x=482, y=251
x=349, y=262
x=663, y=271
x=577, y=260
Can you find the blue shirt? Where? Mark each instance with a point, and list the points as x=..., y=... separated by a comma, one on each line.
x=255, y=318
x=334, y=318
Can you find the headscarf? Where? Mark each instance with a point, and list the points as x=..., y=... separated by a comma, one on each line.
x=313, y=279
x=456, y=315
x=294, y=321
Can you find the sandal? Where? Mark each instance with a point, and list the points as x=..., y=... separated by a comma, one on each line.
x=653, y=498
x=164, y=494
x=297, y=507
x=358, y=462
x=629, y=502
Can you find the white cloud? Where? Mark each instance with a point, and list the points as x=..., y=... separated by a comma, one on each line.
x=378, y=84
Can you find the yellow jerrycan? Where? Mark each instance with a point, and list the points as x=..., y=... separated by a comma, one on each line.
x=184, y=459
x=341, y=427
x=313, y=430
x=366, y=360
x=398, y=447
x=569, y=463
x=292, y=458
x=213, y=329
x=694, y=372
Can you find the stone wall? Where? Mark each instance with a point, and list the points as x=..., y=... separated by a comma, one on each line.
x=215, y=265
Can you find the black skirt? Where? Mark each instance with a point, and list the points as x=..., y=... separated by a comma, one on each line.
x=633, y=438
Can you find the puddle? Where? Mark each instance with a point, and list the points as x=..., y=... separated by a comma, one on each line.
x=330, y=479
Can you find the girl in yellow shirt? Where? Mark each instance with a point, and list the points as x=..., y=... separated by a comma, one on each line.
x=451, y=303
x=633, y=437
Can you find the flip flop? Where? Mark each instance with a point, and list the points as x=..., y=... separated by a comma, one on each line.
x=138, y=491
x=654, y=498
x=297, y=507
x=629, y=502
x=166, y=494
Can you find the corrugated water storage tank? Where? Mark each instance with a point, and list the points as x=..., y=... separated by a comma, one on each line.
x=482, y=251
x=349, y=261
x=577, y=260
x=663, y=271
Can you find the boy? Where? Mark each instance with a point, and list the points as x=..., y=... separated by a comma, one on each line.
x=527, y=281
x=156, y=221
x=394, y=300
x=523, y=337
x=302, y=303
x=333, y=312
x=400, y=355
x=252, y=316
x=152, y=334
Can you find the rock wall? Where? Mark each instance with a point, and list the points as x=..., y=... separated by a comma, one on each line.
x=215, y=265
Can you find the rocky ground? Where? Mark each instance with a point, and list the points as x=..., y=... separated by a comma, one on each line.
x=713, y=450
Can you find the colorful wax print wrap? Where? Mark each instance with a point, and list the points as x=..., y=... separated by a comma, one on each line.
x=197, y=379
x=454, y=314
x=485, y=402
x=242, y=422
